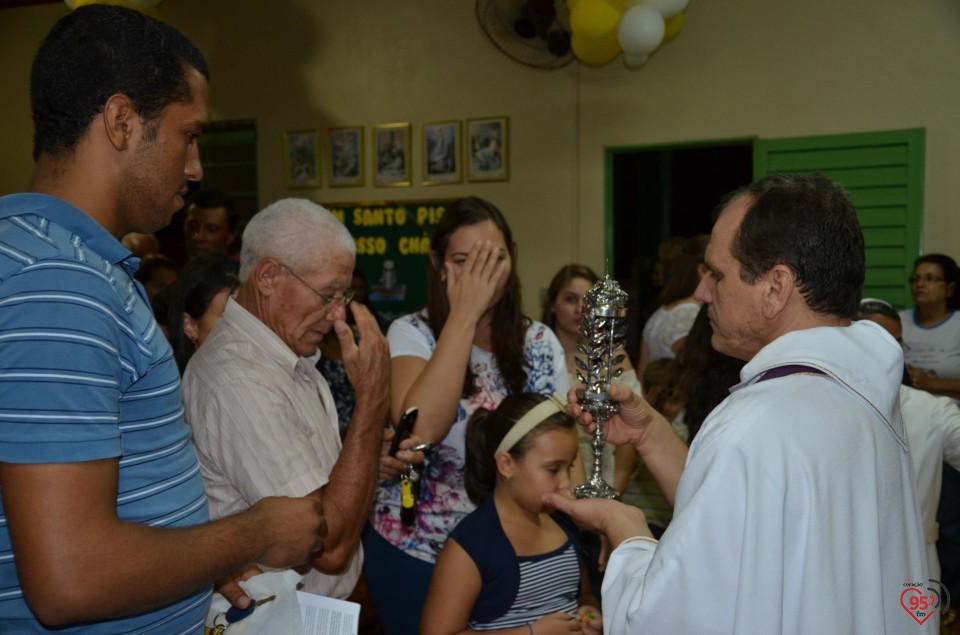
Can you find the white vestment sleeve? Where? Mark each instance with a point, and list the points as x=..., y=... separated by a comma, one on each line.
x=623, y=582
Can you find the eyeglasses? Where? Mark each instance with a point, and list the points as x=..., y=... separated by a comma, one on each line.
x=924, y=279
x=328, y=300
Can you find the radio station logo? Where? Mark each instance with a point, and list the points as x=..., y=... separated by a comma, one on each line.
x=923, y=601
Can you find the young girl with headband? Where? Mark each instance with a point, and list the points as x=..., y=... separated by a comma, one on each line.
x=510, y=565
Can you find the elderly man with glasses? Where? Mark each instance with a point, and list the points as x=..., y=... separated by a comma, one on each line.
x=263, y=417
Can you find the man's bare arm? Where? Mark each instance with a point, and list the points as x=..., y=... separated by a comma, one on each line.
x=77, y=561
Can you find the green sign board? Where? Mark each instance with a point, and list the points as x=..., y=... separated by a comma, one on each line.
x=393, y=249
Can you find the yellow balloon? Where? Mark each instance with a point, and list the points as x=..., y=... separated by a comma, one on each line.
x=571, y=4
x=595, y=51
x=142, y=8
x=673, y=26
x=594, y=19
x=618, y=5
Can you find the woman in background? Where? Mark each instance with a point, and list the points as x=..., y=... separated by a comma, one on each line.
x=931, y=331
x=197, y=302
x=468, y=349
x=665, y=331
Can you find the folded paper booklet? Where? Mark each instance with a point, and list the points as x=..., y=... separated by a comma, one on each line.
x=328, y=616
x=282, y=609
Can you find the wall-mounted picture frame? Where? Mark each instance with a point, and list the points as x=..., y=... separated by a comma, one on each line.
x=302, y=158
x=488, y=149
x=441, y=152
x=391, y=155
x=345, y=156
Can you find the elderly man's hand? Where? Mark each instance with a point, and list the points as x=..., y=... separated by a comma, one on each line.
x=367, y=359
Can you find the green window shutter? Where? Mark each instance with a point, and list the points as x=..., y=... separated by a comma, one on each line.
x=883, y=172
x=228, y=151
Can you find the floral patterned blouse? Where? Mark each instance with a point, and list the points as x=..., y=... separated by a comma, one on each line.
x=443, y=501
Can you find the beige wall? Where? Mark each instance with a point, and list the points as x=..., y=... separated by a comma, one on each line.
x=765, y=68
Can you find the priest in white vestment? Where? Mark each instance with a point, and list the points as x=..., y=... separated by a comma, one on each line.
x=794, y=508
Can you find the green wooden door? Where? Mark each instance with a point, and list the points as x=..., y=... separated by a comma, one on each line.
x=883, y=172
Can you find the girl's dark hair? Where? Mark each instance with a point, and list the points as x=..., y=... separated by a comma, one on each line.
x=560, y=280
x=487, y=428
x=198, y=284
x=951, y=275
x=511, y=324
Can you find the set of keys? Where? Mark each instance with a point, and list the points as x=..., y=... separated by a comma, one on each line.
x=234, y=615
x=410, y=488
x=409, y=477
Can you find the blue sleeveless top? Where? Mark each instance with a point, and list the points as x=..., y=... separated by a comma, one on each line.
x=518, y=590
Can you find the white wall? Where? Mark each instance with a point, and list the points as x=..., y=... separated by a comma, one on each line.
x=740, y=68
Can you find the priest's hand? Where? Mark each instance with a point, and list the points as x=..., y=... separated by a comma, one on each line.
x=629, y=426
x=611, y=518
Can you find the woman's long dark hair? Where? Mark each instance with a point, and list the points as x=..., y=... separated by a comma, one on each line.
x=706, y=376
x=511, y=324
x=197, y=285
x=487, y=428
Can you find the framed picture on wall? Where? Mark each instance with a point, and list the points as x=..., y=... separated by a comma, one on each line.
x=441, y=152
x=302, y=158
x=345, y=156
x=391, y=154
x=488, y=149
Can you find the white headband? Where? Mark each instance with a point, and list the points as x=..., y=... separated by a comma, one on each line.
x=554, y=404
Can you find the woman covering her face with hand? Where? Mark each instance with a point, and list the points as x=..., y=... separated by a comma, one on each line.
x=467, y=349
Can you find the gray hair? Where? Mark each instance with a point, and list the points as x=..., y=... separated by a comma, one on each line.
x=875, y=306
x=295, y=231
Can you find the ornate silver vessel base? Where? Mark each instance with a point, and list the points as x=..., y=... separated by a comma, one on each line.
x=602, y=409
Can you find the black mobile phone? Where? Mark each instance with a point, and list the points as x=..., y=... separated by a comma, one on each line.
x=403, y=430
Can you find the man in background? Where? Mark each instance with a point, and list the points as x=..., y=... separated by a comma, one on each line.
x=103, y=521
x=210, y=223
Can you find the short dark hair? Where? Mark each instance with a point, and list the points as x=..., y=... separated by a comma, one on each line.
x=97, y=51
x=808, y=223
x=951, y=275
x=151, y=264
x=213, y=199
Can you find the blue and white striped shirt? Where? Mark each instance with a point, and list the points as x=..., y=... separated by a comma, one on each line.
x=86, y=374
x=517, y=590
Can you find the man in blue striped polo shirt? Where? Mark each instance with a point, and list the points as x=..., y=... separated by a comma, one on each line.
x=103, y=519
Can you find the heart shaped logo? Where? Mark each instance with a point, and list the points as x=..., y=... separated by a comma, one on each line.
x=917, y=605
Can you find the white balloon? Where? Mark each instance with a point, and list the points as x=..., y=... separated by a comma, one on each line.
x=69, y=4
x=641, y=30
x=635, y=61
x=667, y=8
